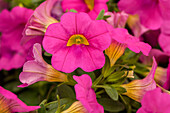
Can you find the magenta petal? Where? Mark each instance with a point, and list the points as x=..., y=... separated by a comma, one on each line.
x=84, y=80
x=78, y=5
x=18, y=105
x=101, y=29
x=82, y=18
x=149, y=11
x=151, y=17
x=86, y=95
x=155, y=101
x=68, y=21
x=92, y=59
x=167, y=83
x=65, y=59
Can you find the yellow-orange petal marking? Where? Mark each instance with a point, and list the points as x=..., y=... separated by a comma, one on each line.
x=77, y=39
x=4, y=108
x=115, y=51
x=90, y=4
x=76, y=107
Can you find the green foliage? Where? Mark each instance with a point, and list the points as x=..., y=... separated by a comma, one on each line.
x=73, y=10
x=110, y=105
x=32, y=4
x=47, y=54
x=112, y=92
x=52, y=106
x=115, y=76
x=101, y=15
x=65, y=91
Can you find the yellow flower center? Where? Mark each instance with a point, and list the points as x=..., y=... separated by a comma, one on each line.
x=77, y=39
x=90, y=4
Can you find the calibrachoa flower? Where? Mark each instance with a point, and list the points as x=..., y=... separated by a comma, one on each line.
x=149, y=11
x=12, y=54
x=155, y=101
x=167, y=83
x=121, y=39
x=38, y=70
x=10, y=103
x=92, y=7
x=77, y=41
x=164, y=38
x=76, y=107
x=117, y=20
x=161, y=57
x=137, y=88
x=39, y=21
x=86, y=95
x=160, y=76
x=137, y=28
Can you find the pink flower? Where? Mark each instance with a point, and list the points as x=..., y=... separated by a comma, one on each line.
x=164, y=38
x=38, y=70
x=92, y=7
x=122, y=36
x=137, y=28
x=137, y=88
x=149, y=11
x=117, y=20
x=161, y=57
x=167, y=83
x=121, y=39
x=86, y=95
x=42, y=17
x=12, y=54
x=155, y=101
x=77, y=41
x=10, y=103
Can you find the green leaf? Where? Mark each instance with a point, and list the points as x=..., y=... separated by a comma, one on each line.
x=52, y=106
x=110, y=105
x=65, y=91
x=101, y=15
x=119, y=88
x=112, y=92
x=73, y=10
x=115, y=76
x=30, y=97
x=42, y=109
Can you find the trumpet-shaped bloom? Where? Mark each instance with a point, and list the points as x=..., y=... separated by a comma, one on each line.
x=155, y=101
x=76, y=107
x=86, y=95
x=137, y=28
x=39, y=21
x=117, y=20
x=12, y=23
x=75, y=44
x=161, y=57
x=121, y=39
x=149, y=11
x=38, y=70
x=10, y=103
x=137, y=88
x=92, y=7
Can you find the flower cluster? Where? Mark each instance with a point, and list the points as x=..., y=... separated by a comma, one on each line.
x=85, y=56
